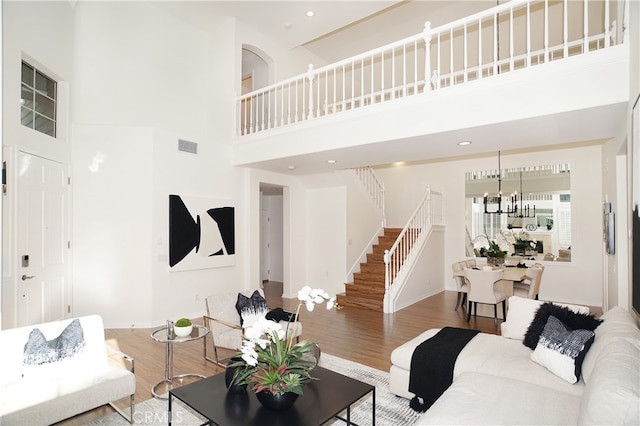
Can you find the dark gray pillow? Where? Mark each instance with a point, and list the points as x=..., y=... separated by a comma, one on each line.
x=38, y=350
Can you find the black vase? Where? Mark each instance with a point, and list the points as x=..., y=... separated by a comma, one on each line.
x=277, y=402
x=228, y=378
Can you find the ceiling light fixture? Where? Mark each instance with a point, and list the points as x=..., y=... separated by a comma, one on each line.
x=331, y=161
x=310, y=13
x=486, y=194
x=464, y=143
x=512, y=208
x=524, y=210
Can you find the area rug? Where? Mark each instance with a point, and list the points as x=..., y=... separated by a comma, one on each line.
x=391, y=410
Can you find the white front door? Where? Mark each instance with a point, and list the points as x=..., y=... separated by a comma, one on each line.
x=43, y=239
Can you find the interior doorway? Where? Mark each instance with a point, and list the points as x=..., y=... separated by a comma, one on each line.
x=272, y=238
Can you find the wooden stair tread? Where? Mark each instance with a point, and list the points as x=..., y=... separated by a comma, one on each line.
x=368, y=286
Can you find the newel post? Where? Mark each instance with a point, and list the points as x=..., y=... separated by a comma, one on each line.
x=310, y=76
x=427, y=56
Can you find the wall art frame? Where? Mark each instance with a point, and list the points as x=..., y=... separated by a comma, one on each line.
x=201, y=233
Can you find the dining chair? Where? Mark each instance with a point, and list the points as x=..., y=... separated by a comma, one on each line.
x=530, y=286
x=470, y=263
x=461, y=283
x=482, y=290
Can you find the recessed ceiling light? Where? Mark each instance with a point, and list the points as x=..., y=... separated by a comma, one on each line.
x=331, y=161
x=464, y=143
x=310, y=13
x=291, y=167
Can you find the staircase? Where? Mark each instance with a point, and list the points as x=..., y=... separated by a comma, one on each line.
x=367, y=288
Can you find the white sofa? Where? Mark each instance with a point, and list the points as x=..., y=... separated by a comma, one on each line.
x=495, y=380
x=40, y=385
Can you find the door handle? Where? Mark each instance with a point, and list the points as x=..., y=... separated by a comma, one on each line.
x=27, y=277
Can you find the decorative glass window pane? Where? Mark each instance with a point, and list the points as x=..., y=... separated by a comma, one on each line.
x=38, y=100
x=26, y=117
x=46, y=126
x=27, y=74
x=45, y=85
x=26, y=99
x=45, y=106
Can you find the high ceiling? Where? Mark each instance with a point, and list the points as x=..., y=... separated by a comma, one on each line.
x=340, y=29
x=337, y=30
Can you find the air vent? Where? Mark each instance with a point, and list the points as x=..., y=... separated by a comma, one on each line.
x=186, y=146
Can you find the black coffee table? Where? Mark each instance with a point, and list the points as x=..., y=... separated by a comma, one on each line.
x=322, y=401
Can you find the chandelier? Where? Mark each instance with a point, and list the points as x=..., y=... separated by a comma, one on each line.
x=512, y=208
x=486, y=194
x=524, y=211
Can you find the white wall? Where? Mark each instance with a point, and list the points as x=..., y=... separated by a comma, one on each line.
x=578, y=282
x=325, y=243
x=364, y=222
x=138, y=66
x=428, y=272
x=112, y=232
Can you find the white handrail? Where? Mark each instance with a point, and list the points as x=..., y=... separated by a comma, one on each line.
x=373, y=186
x=428, y=213
x=464, y=50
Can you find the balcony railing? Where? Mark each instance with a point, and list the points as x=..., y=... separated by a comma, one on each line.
x=515, y=35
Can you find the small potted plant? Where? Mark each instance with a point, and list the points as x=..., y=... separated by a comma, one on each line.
x=495, y=255
x=183, y=327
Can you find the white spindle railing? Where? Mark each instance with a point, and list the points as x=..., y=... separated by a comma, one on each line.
x=464, y=50
x=428, y=213
x=373, y=186
x=541, y=170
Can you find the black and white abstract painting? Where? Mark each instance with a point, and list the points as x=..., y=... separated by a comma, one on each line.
x=201, y=233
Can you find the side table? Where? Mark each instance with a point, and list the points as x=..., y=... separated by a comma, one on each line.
x=161, y=335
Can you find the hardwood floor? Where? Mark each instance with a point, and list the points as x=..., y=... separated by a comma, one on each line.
x=357, y=334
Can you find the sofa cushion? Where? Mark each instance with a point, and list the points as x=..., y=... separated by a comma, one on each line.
x=477, y=398
x=38, y=350
x=562, y=350
x=572, y=320
x=617, y=323
x=521, y=313
x=612, y=395
x=251, y=308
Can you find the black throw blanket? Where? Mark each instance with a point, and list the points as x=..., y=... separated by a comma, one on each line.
x=432, y=365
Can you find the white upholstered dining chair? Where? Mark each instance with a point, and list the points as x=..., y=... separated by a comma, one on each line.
x=461, y=283
x=530, y=286
x=482, y=290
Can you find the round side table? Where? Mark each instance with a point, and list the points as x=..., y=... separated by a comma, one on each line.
x=161, y=335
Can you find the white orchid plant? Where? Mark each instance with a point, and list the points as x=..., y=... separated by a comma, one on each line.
x=270, y=360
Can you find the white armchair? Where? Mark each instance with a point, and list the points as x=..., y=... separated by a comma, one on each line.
x=482, y=290
x=223, y=320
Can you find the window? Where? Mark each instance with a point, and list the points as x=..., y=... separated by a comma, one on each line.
x=38, y=101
